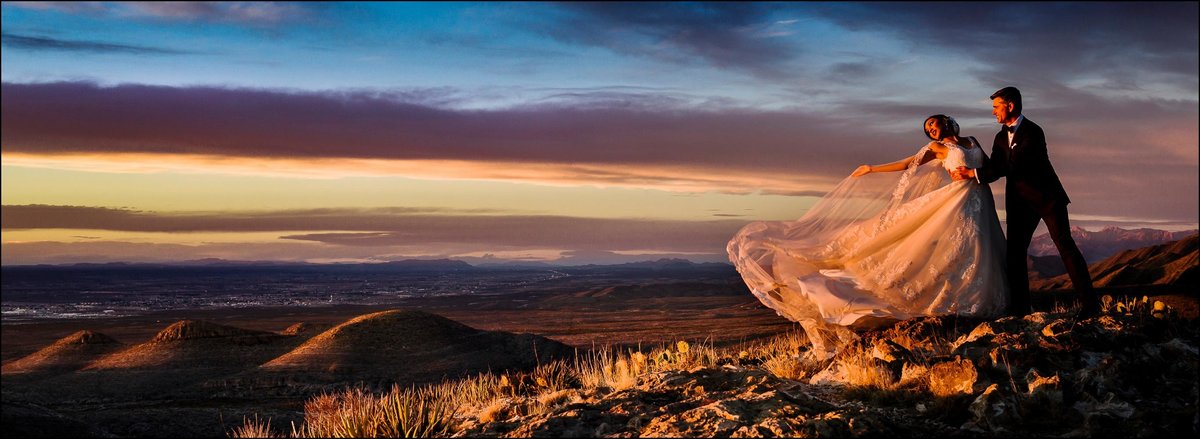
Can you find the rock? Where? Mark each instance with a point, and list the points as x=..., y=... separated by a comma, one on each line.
x=952, y=377
x=977, y=350
x=911, y=374
x=1106, y=418
x=1038, y=383
x=983, y=329
x=1056, y=328
x=1036, y=319
x=890, y=351
x=798, y=398
x=992, y=411
x=1045, y=397
x=770, y=427
x=1100, y=373
x=827, y=425
x=1180, y=346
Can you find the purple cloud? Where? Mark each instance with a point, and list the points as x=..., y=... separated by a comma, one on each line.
x=29, y=42
x=1114, y=154
x=245, y=13
x=396, y=227
x=58, y=118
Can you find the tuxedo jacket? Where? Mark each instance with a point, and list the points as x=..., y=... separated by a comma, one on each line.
x=1031, y=181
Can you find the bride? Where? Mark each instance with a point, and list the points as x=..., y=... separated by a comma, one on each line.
x=891, y=241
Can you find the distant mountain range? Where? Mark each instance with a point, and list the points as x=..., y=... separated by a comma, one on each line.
x=1173, y=263
x=661, y=264
x=1099, y=245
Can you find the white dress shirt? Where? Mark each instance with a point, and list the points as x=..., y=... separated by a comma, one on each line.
x=1011, y=134
x=1014, y=126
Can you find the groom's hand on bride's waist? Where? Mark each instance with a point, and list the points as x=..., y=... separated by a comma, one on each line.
x=962, y=173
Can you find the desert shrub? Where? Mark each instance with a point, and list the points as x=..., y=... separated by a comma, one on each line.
x=399, y=413
x=253, y=428
x=415, y=412
x=432, y=410
x=605, y=368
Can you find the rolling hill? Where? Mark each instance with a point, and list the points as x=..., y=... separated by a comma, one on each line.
x=68, y=354
x=400, y=345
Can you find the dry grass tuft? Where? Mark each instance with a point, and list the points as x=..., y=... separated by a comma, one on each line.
x=549, y=401
x=254, y=428
x=783, y=356
x=495, y=411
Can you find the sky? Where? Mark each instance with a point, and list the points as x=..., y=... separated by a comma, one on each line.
x=566, y=133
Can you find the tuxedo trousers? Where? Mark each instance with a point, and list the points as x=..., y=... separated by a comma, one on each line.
x=1022, y=220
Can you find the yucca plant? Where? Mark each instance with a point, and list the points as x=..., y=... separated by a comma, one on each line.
x=414, y=412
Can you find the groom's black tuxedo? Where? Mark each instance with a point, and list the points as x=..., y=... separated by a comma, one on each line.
x=1031, y=180
x=1032, y=193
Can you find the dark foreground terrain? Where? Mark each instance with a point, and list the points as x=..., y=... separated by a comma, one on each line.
x=198, y=372
x=201, y=371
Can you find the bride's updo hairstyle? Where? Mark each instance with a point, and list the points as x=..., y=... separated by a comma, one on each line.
x=949, y=125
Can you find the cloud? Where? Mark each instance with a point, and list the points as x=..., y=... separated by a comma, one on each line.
x=65, y=118
x=26, y=42
x=1037, y=43
x=40, y=216
x=244, y=13
x=1110, y=151
x=383, y=227
x=731, y=36
x=378, y=233
x=381, y=234
x=49, y=252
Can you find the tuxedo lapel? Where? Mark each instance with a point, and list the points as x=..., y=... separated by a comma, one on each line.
x=1018, y=140
x=1004, y=145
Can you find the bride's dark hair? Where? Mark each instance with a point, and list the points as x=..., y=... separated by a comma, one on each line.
x=949, y=126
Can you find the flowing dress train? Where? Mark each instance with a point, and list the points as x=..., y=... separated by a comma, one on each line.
x=900, y=246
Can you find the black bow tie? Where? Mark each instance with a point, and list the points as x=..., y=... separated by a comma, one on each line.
x=1009, y=129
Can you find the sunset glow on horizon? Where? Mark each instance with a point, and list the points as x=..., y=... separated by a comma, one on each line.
x=567, y=133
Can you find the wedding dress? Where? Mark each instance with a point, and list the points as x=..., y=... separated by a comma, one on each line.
x=892, y=245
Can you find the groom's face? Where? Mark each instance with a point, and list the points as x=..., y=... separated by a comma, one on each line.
x=1002, y=110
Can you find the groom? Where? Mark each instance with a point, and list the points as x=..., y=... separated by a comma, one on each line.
x=1032, y=193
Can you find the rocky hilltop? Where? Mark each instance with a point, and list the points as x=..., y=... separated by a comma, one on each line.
x=1121, y=375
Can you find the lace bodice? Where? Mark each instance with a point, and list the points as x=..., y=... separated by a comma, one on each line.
x=959, y=156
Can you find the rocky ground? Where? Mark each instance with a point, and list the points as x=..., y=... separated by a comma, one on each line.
x=1124, y=374
x=1130, y=373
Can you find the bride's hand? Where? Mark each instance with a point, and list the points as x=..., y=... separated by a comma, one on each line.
x=861, y=171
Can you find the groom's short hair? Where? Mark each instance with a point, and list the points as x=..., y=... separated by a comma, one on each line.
x=1009, y=94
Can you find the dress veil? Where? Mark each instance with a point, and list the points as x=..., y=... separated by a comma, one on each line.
x=781, y=261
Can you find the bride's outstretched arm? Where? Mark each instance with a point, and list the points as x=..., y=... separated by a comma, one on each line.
x=898, y=165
